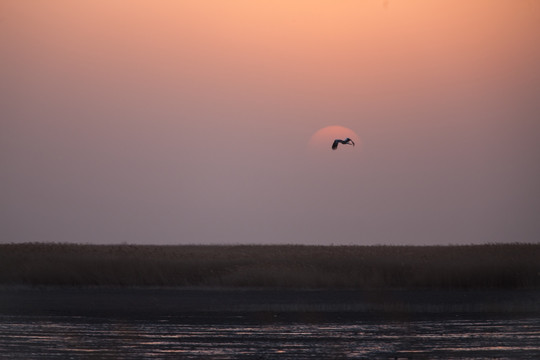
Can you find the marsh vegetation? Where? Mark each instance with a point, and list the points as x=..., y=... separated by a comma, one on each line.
x=276, y=266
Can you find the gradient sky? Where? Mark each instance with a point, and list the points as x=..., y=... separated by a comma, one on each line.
x=188, y=122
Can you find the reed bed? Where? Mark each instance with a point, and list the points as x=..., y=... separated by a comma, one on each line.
x=273, y=266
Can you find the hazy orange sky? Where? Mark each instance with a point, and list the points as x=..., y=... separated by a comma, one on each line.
x=175, y=122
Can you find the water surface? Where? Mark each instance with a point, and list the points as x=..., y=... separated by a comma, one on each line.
x=269, y=336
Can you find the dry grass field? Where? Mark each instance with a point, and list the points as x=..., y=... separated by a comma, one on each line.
x=497, y=266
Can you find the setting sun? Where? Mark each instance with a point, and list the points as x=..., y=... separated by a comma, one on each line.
x=322, y=139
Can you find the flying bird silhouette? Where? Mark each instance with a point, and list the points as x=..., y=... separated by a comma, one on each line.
x=347, y=141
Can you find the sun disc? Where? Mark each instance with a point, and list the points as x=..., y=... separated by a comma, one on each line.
x=323, y=138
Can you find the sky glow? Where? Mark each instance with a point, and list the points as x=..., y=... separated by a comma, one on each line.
x=175, y=122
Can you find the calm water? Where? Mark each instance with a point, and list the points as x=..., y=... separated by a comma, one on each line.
x=235, y=337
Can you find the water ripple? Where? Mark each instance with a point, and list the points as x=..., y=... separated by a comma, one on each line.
x=34, y=337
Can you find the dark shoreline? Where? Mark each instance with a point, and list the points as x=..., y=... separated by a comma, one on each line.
x=263, y=281
x=179, y=302
x=490, y=266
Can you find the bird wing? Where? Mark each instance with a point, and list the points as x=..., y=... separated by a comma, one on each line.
x=351, y=142
x=335, y=144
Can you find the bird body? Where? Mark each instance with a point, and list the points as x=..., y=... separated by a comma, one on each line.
x=347, y=141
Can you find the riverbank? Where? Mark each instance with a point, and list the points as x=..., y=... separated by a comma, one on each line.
x=495, y=266
x=131, y=281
